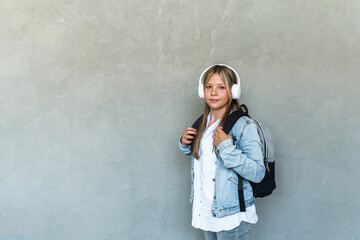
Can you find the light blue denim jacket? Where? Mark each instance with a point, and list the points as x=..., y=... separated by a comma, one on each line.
x=242, y=154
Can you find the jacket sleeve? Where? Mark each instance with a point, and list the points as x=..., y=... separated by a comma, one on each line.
x=244, y=155
x=185, y=148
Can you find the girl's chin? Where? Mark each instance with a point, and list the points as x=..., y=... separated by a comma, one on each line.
x=217, y=108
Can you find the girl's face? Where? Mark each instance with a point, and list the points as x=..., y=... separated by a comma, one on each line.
x=215, y=93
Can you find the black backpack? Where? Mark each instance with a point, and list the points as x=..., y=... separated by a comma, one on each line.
x=267, y=185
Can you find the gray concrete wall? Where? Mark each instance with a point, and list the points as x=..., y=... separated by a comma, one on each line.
x=95, y=94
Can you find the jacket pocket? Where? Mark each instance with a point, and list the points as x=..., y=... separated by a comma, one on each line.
x=235, y=181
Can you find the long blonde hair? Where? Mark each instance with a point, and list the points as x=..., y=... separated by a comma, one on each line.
x=229, y=79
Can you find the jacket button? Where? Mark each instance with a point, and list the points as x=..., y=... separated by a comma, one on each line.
x=213, y=179
x=214, y=215
x=214, y=197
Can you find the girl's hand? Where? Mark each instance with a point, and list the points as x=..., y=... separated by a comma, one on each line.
x=219, y=136
x=188, y=135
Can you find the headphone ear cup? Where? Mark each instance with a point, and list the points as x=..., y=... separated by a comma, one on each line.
x=235, y=91
x=201, y=90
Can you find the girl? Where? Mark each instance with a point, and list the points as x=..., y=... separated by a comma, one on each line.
x=216, y=158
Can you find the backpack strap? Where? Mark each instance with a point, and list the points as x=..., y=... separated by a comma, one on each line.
x=241, y=194
x=196, y=124
x=231, y=120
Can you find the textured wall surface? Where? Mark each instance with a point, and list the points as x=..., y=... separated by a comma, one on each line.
x=95, y=94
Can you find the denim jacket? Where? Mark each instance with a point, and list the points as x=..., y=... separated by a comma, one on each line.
x=242, y=154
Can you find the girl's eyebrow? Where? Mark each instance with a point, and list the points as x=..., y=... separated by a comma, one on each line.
x=215, y=84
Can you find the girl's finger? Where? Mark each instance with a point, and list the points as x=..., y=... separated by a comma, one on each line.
x=189, y=137
x=190, y=133
x=218, y=130
x=188, y=130
x=191, y=129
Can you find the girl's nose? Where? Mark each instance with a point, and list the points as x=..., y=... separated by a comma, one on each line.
x=213, y=91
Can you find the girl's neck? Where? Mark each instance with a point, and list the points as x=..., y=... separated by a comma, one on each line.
x=216, y=115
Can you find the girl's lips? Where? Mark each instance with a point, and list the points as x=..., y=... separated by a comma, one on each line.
x=214, y=100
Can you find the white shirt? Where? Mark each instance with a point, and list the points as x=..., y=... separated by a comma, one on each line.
x=204, y=173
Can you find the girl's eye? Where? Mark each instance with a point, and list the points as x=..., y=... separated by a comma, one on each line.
x=222, y=87
x=208, y=87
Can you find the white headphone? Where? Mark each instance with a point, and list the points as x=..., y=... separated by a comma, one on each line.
x=235, y=89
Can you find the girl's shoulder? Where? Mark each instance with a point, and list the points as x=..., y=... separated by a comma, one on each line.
x=243, y=124
x=243, y=121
